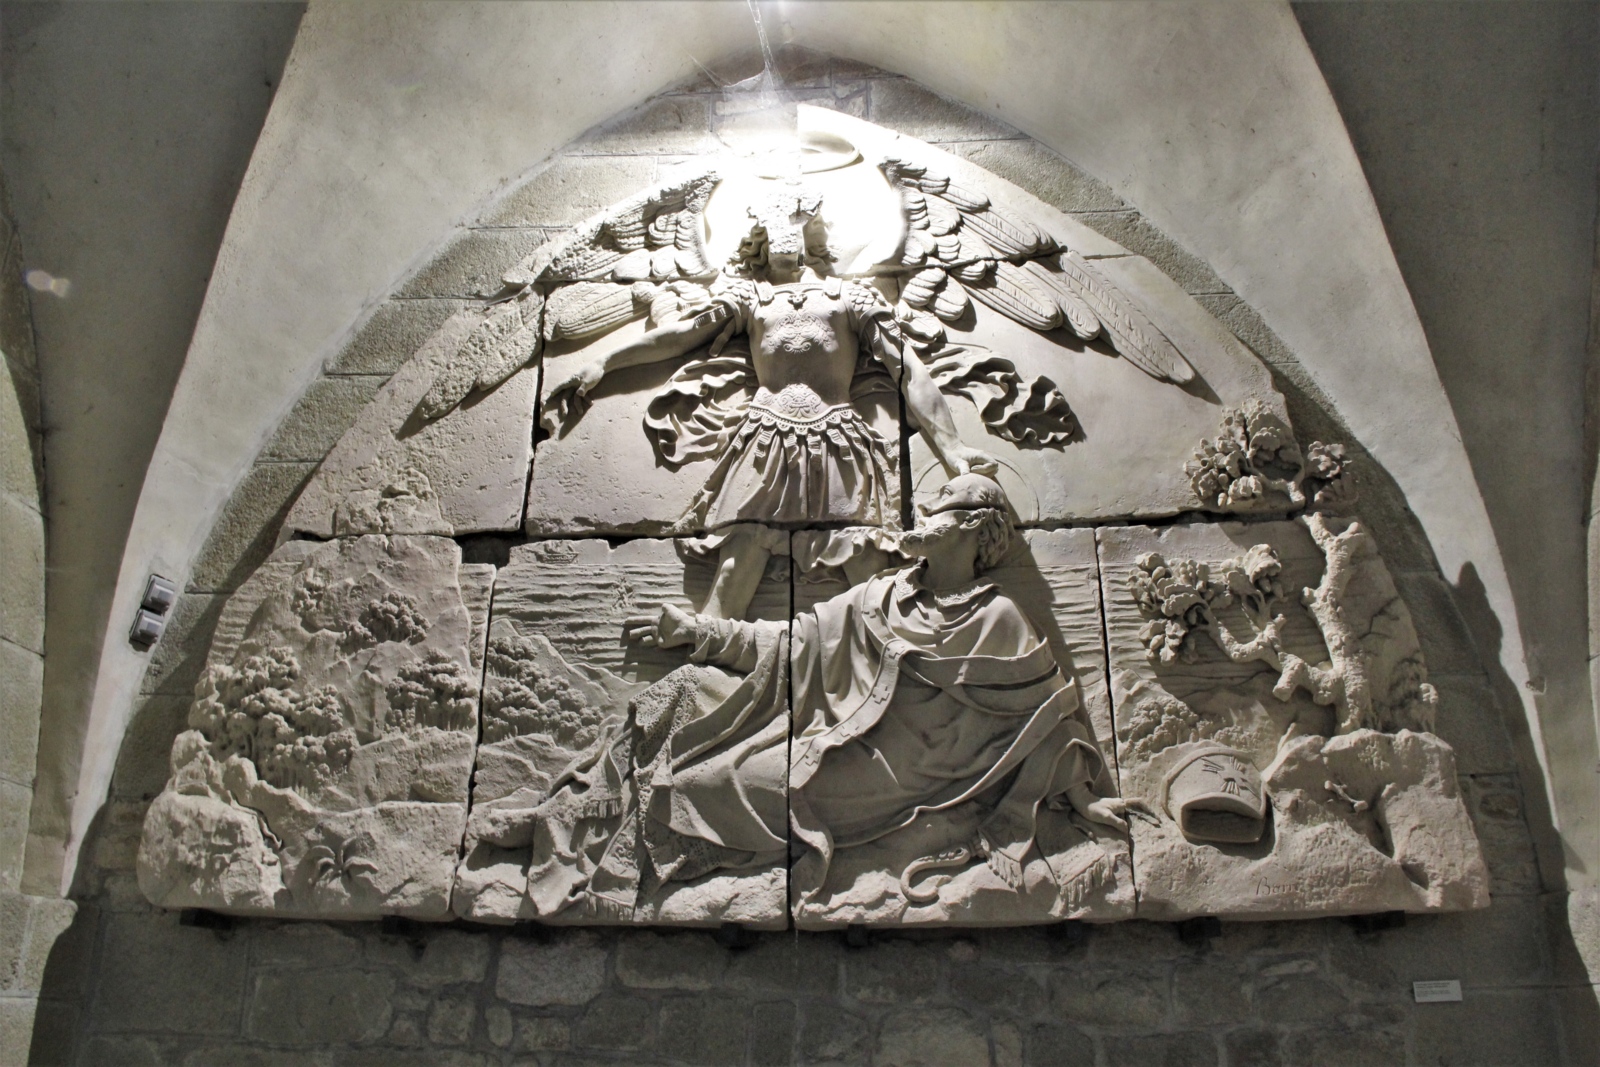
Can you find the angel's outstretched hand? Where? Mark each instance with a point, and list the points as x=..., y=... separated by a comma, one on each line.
x=972, y=461
x=673, y=626
x=568, y=399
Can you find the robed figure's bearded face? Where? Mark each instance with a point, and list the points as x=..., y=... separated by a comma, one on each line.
x=966, y=503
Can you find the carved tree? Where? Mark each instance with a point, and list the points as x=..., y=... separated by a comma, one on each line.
x=1256, y=456
x=1183, y=596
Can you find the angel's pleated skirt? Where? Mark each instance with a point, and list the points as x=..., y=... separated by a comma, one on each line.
x=785, y=471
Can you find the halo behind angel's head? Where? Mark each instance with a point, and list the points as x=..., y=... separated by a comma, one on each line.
x=813, y=146
x=825, y=150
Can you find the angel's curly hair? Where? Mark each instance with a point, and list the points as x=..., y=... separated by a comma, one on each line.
x=753, y=255
x=750, y=261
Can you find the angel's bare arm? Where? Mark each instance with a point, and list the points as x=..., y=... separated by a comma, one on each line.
x=928, y=407
x=670, y=339
x=565, y=401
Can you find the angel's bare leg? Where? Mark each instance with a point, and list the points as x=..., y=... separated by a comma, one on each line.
x=739, y=569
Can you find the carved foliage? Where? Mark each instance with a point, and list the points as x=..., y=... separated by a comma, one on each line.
x=1277, y=660
x=326, y=766
x=256, y=711
x=1255, y=464
x=1182, y=596
x=526, y=696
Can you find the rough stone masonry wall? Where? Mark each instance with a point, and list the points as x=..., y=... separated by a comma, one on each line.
x=128, y=984
x=28, y=924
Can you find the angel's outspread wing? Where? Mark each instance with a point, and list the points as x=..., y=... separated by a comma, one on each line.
x=960, y=247
x=503, y=343
x=646, y=254
x=603, y=274
x=656, y=235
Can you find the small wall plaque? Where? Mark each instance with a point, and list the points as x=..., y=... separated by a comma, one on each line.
x=1446, y=991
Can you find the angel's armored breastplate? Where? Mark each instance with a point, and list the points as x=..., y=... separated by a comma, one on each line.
x=802, y=318
x=801, y=335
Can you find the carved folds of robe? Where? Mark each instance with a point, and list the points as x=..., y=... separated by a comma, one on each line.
x=692, y=782
x=909, y=702
x=906, y=703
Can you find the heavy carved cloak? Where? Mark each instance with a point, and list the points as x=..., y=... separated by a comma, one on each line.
x=907, y=702
x=910, y=702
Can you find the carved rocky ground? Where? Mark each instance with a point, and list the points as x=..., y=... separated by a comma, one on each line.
x=326, y=767
x=791, y=365
x=1273, y=712
x=560, y=687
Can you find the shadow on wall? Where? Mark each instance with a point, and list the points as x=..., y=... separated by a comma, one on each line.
x=1484, y=625
x=129, y=983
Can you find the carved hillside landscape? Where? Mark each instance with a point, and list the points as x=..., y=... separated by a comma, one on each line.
x=325, y=772
x=1274, y=715
x=928, y=872
x=578, y=734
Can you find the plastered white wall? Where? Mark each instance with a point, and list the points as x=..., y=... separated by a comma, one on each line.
x=393, y=120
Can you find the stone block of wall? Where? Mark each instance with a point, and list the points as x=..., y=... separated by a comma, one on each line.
x=320, y=417
x=471, y=263
x=1278, y=993
x=572, y=188
x=21, y=683
x=391, y=335
x=244, y=533
x=22, y=578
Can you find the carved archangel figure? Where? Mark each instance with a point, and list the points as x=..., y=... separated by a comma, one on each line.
x=783, y=345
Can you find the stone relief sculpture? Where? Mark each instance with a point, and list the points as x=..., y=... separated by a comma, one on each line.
x=1273, y=711
x=795, y=452
x=1255, y=465
x=326, y=768
x=717, y=679
x=936, y=730
x=397, y=472
x=593, y=750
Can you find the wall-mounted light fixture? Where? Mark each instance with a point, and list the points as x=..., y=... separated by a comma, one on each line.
x=151, y=618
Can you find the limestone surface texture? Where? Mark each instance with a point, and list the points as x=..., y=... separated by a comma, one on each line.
x=130, y=983
x=31, y=923
x=478, y=146
x=1274, y=715
x=927, y=872
x=326, y=768
x=393, y=473
x=865, y=726
x=579, y=733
